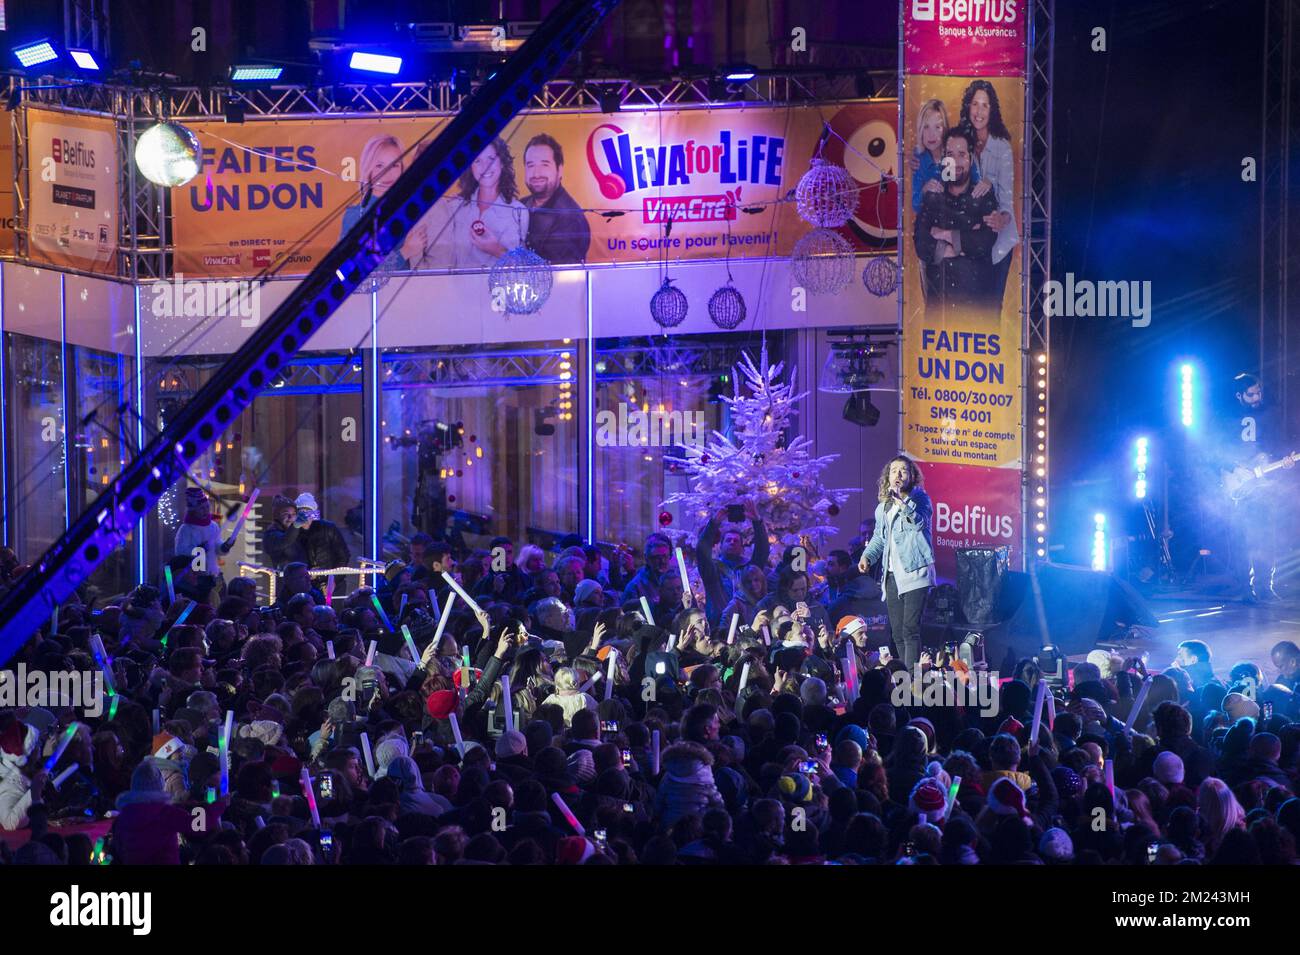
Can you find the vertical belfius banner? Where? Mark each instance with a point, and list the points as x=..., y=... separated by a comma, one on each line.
x=962, y=125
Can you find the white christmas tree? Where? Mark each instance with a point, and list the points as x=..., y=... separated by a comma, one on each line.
x=760, y=464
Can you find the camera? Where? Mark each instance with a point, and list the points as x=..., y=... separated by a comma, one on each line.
x=627, y=757
x=327, y=787
x=821, y=741
x=609, y=726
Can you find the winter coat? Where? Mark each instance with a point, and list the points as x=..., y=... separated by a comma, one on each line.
x=687, y=786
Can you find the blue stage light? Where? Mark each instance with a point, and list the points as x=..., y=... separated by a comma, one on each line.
x=1141, y=450
x=1099, y=541
x=375, y=63
x=34, y=54
x=1187, y=394
x=255, y=74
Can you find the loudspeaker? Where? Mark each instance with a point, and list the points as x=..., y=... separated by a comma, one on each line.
x=1069, y=607
x=980, y=575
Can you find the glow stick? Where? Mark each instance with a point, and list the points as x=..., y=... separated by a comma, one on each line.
x=60, y=779
x=380, y=610
x=506, y=702
x=156, y=720
x=54, y=620
x=609, y=674
x=687, y=596
x=466, y=673
x=437, y=611
x=744, y=679
x=654, y=753
x=442, y=622
x=672, y=642
x=451, y=581
x=645, y=608
x=590, y=683
x=97, y=648
x=1051, y=711
x=368, y=754
x=307, y=791
x=171, y=589
x=329, y=591
x=455, y=732
x=1110, y=777
x=410, y=643
x=112, y=707
x=567, y=813
x=1038, y=711
x=329, y=648
x=179, y=620
x=223, y=753
x=252, y=499
x=370, y=654
x=401, y=607
x=952, y=796
x=767, y=635
x=731, y=633
x=1137, y=705
x=259, y=822
x=63, y=745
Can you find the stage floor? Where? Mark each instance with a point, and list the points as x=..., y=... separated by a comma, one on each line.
x=1234, y=630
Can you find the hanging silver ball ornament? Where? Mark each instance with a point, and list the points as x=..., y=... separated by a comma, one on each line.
x=727, y=307
x=881, y=275
x=822, y=262
x=668, y=305
x=168, y=154
x=520, y=282
x=826, y=195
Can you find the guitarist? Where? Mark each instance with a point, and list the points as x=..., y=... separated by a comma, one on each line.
x=1251, y=442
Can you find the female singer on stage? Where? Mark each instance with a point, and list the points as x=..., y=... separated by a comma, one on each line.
x=901, y=545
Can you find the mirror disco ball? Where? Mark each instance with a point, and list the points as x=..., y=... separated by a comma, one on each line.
x=168, y=154
x=521, y=279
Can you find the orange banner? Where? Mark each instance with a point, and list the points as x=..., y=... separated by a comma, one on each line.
x=73, y=185
x=574, y=187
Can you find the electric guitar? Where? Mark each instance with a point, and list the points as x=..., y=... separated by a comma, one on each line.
x=1242, y=481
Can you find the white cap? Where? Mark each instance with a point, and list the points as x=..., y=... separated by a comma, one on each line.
x=306, y=500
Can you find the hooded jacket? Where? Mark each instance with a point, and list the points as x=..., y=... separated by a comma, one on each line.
x=687, y=786
x=413, y=798
x=15, y=787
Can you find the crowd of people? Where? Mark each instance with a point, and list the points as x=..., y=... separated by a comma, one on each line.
x=581, y=706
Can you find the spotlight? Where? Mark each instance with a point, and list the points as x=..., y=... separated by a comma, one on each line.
x=234, y=111
x=1051, y=663
x=1099, y=541
x=718, y=90
x=864, y=86
x=611, y=100
x=1187, y=394
x=85, y=60
x=375, y=63
x=168, y=154
x=739, y=73
x=1140, y=458
x=461, y=83
x=34, y=54
x=255, y=73
x=859, y=410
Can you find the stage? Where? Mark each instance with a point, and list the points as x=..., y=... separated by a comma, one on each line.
x=1234, y=630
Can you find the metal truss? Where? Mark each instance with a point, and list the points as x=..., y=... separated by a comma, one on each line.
x=191, y=103
x=85, y=25
x=1279, y=130
x=477, y=369
x=1036, y=266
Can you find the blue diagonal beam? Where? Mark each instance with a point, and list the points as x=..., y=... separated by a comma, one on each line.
x=104, y=525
